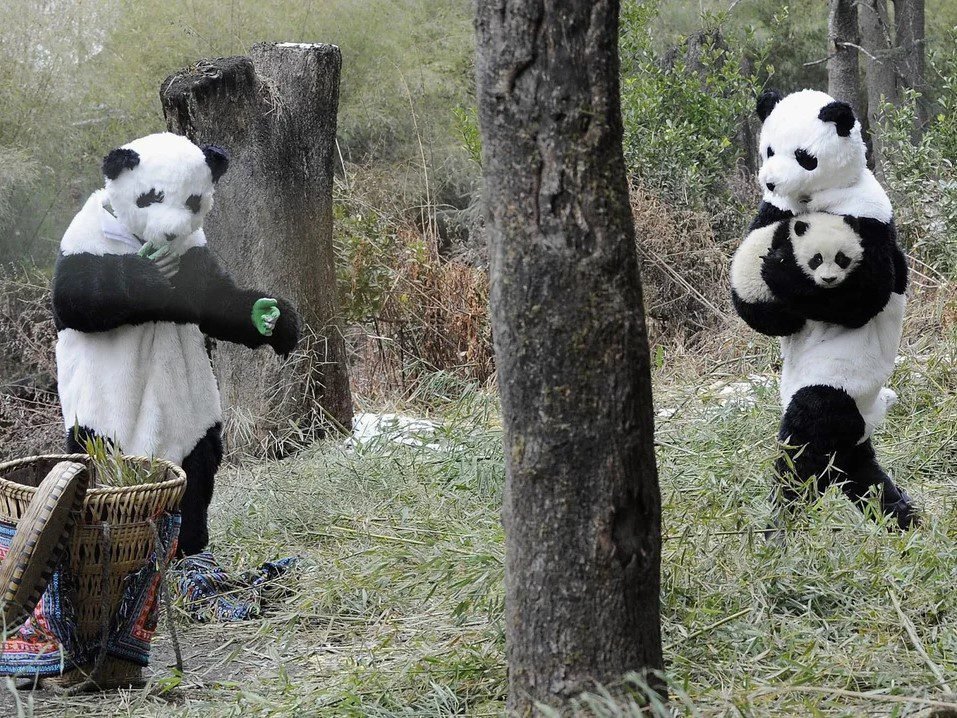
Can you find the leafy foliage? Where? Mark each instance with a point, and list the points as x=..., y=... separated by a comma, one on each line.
x=683, y=115
x=921, y=170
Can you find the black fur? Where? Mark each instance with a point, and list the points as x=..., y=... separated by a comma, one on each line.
x=773, y=319
x=841, y=114
x=118, y=160
x=768, y=214
x=766, y=102
x=218, y=160
x=200, y=466
x=93, y=293
x=225, y=311
x=856, y=300
x=820, y=431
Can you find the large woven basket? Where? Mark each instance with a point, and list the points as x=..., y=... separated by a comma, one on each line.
x=130, y=512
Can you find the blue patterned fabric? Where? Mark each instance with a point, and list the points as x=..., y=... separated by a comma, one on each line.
x=47, y=645
x=212, y=594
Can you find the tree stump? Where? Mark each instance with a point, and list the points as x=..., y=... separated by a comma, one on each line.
x=271, y=227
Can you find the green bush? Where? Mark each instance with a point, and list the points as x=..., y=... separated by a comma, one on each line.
x=920, y=170
x=683, y=116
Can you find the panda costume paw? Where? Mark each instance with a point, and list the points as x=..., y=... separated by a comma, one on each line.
x=821, y=269
x=135, y=290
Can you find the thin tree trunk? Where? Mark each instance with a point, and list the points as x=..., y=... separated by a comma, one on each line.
x=880, y=70
x=843, y=70
x=582, y=509
x=909, y=24
x=272, y=227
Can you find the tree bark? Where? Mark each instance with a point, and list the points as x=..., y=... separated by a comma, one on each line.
x=582, y=509
x=909, y=25
x=275, y=111
x=843, y=70
x=880, y=71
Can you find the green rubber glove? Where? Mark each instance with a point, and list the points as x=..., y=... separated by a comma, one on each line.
x=265, y=315
x=166, y=262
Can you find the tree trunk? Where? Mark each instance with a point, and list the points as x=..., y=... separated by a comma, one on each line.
x=275, y=111
x=880, y=71
x=909, y=24
x=843, y=71
x=582, y=509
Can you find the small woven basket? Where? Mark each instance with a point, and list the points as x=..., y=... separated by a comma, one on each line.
x=130, y=512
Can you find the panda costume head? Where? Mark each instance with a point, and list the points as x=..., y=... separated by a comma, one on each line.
x=814, y=157
x=160, y=187
x=809, y=142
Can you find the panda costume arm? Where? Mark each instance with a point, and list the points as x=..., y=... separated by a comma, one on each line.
x=752, y=298
x=855, y=301
x=769, y=214
x=225, y=310
x=94, y=293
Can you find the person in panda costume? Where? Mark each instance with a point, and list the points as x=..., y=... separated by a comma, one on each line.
x=134, y=292
x=821, y=269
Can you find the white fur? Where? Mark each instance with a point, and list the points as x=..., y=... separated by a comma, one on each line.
x=841, y=182
x=859, y=361
x=746, y=265
x=170, y=164
x=826, y=235
x=150, y=387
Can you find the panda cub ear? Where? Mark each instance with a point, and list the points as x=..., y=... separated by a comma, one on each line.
x=841, y=114
x=118, y=160
x=800, y=228
x=766, y=103
x=218, y=160
x=853, y=222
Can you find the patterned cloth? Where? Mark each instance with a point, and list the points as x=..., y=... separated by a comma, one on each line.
x=212, y=594
x=47, y=645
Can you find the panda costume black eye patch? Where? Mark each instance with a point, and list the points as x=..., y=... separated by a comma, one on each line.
x=770, y=153
x=806, y=159
x=842, y=260
x=194, y=203
x=816, y=261
x=148, y=198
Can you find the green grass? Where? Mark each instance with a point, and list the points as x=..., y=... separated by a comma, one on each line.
x=397, y=610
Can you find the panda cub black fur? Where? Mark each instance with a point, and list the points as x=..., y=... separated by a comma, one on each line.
x=822, y=270
x=134, y=292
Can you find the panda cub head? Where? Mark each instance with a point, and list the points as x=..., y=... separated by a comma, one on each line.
x=827, y=247
x=809, y=143
x=161, y=186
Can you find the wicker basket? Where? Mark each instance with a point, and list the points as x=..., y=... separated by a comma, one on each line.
x=130, y=512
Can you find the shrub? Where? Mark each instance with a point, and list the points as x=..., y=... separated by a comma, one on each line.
x=920, y=168
x=684, y=116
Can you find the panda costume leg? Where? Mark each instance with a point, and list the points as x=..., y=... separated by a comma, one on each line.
x=200, y=466
x=821, y=431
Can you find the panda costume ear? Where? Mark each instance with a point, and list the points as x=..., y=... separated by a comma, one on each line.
x=800, y=228
x=766, y=103
x=118, y=160
x=218, y=160
x=841, y=114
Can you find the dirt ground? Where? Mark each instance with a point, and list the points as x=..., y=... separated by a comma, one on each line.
x=216, y=656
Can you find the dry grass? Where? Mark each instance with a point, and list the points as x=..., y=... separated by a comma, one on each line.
x=30, y=419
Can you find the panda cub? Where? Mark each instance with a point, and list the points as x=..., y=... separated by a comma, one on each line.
x=834, y=287
x=135, y=291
